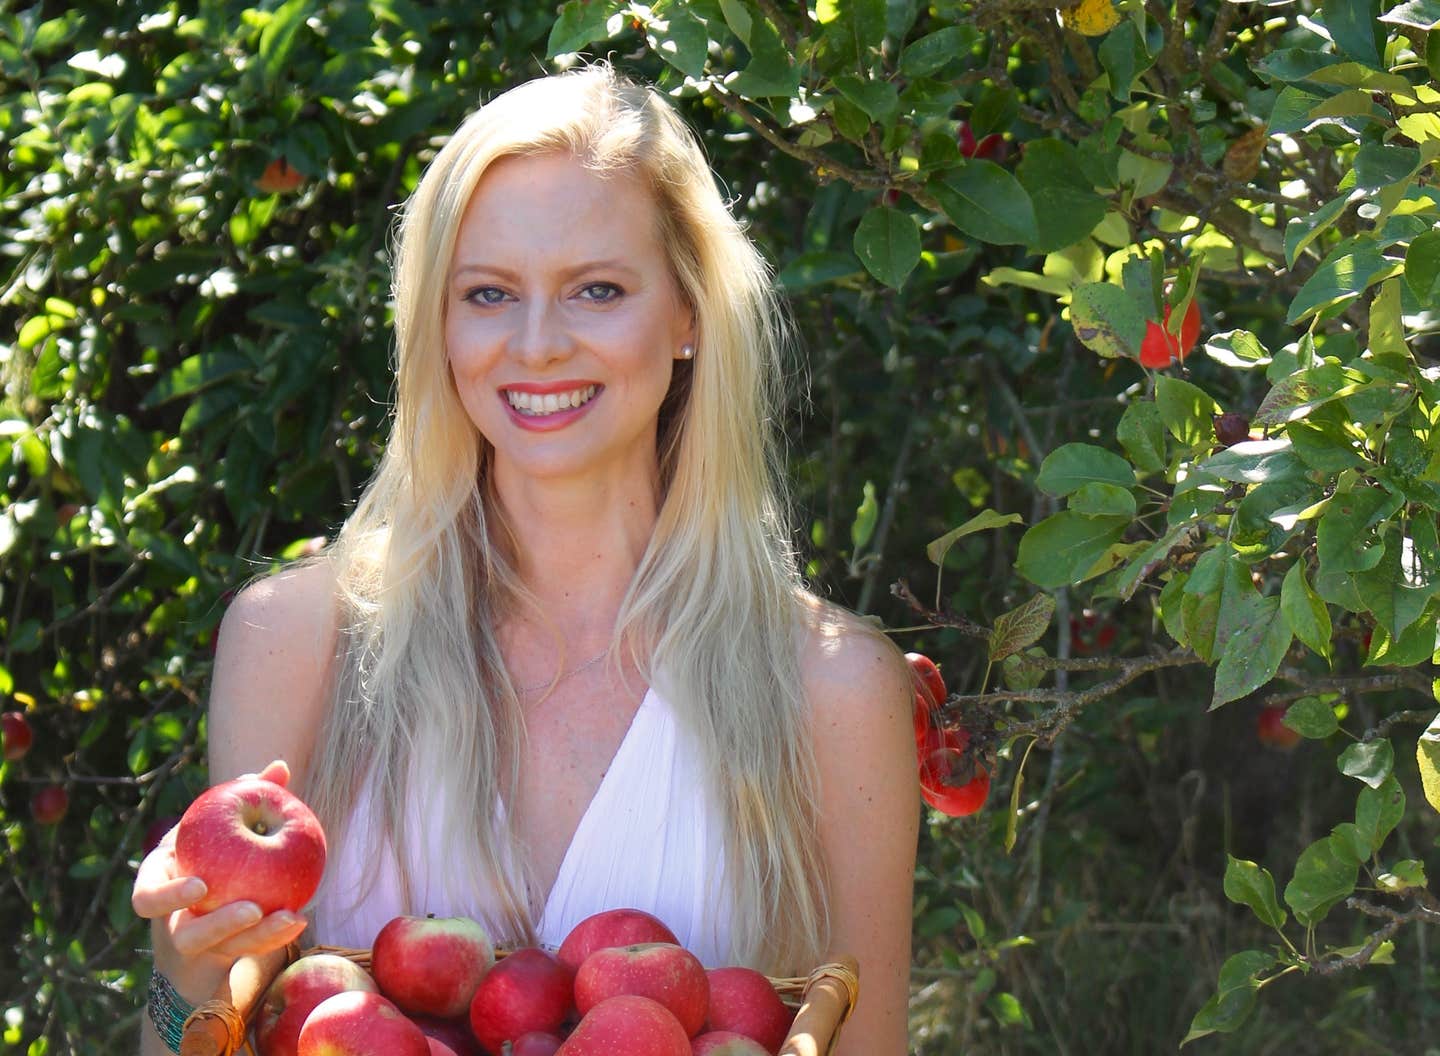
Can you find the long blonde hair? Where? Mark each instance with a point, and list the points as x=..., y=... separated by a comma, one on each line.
x=716, y=609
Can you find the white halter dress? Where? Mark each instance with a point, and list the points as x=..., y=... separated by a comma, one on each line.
x=650, y=839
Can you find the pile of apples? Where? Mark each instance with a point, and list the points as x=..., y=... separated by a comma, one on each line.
x=950, y=780
x=619, y=983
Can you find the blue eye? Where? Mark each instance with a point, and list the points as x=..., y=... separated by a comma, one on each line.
x=486, y=295
x=601, y=292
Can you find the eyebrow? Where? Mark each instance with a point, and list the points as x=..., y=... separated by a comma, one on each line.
x=481, y=268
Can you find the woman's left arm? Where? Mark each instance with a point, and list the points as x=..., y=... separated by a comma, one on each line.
x=860, y=697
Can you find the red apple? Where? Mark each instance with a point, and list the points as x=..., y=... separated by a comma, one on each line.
x=742, y=1001
x=613, y=927
x=949, y=781
x=525, y=991
x=1159, y=348
x=358, y=1023
x=251, y=840
x=536, y=1043
x=662, y=971
x=628, y=1024
x=296, y=992
x=49, y=805
x=431, y=965
x=15, y=735
x=1271, y=731
x=280, y=177
x=453, y=1034
x=729, y=1043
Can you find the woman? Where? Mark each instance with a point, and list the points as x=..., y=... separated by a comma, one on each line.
x=559, y=658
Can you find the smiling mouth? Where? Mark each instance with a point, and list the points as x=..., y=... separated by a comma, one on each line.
x=534, y=405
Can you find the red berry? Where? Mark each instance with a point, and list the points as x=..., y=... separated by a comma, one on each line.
x=16, y=735
x=49, y=805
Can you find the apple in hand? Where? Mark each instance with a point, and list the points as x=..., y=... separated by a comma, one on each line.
x=613, y=927
x=662, y=971
x=628, y=1024
x=296, y=992
x=431, y=965
x=358, y=1023
x=15, y=735
x=742, y=1001
x=729, y=1043
x=525, y=991
x=251, y=840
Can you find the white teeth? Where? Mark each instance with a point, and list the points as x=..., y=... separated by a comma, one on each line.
x=531, y=404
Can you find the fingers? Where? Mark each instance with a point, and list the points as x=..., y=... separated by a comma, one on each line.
x=235, y=930
x=159, y=897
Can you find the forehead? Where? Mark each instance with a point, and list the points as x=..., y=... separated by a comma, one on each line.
x=550, y=206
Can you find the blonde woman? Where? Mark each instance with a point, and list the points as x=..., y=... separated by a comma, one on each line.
x=559, y=658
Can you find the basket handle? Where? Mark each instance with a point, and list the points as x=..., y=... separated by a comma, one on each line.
x=217, y=1027
x=829, y=998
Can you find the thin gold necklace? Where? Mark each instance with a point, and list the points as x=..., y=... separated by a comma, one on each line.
x=549, y=682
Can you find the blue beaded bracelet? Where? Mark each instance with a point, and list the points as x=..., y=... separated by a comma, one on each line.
x=168, y=1011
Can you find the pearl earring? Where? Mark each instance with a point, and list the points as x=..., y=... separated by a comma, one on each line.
x=687, y=351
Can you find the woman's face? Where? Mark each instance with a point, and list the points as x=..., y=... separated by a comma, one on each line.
x=562, y=319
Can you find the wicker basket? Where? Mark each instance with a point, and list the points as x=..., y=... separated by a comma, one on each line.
x=824, y=1000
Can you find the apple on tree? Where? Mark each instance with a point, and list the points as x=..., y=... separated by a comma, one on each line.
x=1271, y=731
x=50, y=804
x=251, y=840
x=1160, y=348
x=15, y=735
x=280, y=177
x=950, y=781
x=930, y=692
x=431, y=965
x=663, y=971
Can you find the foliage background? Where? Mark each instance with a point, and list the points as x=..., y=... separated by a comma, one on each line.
x=195, y=382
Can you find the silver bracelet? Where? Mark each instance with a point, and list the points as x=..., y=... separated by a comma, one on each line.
x=168, y=1011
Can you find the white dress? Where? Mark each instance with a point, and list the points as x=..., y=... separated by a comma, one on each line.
x=650, y=839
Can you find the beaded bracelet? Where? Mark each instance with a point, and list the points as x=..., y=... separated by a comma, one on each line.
x=168, y=1011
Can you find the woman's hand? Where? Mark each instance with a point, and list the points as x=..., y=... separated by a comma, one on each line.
x=195, y=951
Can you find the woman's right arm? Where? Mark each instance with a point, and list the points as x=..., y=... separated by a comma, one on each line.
x=267, y=699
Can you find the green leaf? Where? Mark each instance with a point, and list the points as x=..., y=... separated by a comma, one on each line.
x=1249, y=885
x=1307, y=615
x=888, y=244
x=1255, y=462
x=277, y=39
x=1378, y=165
x=1396, y=590
x=1123, y=55
x=1106, y=320
x=1324, y=874
x=1021, y=627
x=1071, y=466
x=1142, y=434
x=1068, y=548
x=1097, y=499
x=1067, y=207
x=1368, y=761
x=771, y=71
x=1417, y=14
x=579, y=23
x=1427, y=755
x=816, y=269
x=878, y=99
x=1187, y=411
x=1008, y=1011
x=1251, y=657
x=1378, y=810
x=1343, y=537
x=866, y=514
x=1349, y=269
x=1234, y=997
x=1306, y=227
x=982, y=521
x=1354, y=26
x=987, y=203
x=935, y=51
x=1402, y=876
x=1311, y=717
x=1422, y=265
x=681, y=40
x=195, y=373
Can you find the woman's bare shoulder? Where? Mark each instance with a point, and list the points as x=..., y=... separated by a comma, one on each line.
x=272, y=669
x=847, y=662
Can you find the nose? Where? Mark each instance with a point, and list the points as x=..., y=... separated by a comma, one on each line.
x=542, y=336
